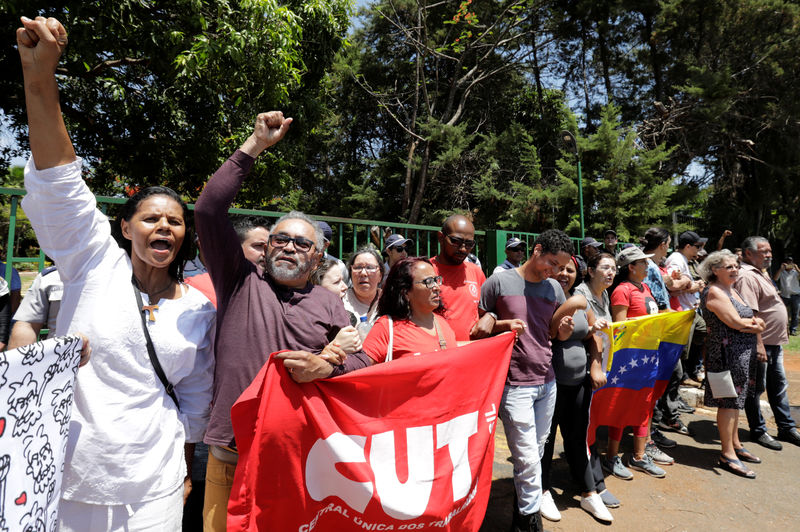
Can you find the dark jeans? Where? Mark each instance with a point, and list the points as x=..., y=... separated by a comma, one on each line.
x=793, y=305
x=667, y=406
x=572, y=415
x=771, y=377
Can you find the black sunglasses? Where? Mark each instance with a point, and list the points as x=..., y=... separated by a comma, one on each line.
x=458, y=242
x=281, y=241
x=399, y=249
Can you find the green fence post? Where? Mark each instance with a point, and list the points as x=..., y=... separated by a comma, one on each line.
x=12, y=226
x=492, y=250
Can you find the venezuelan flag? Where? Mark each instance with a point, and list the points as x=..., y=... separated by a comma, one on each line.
x=639, y=356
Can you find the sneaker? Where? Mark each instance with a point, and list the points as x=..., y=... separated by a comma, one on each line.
x=615, y=467
x=657, y=455
x=646, y=465
x=684, y=407
x=549, y=509
x=675, y=426
x=594, y=505
x=609, y=500
x=661, y=440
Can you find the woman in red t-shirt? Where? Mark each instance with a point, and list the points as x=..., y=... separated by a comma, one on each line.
x=410, y=310
x=632, y=298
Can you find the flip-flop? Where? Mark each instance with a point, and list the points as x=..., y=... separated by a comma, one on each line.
x=747, y=456
x=736, y=467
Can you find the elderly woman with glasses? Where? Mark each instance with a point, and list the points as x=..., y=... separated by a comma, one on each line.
x=730, y=347
x=410, y=310
x=366, y=271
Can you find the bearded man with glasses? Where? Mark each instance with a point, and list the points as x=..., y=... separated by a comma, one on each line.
x=461, y=288
x=261, y=312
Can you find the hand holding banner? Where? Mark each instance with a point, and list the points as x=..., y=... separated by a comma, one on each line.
x=404, y=445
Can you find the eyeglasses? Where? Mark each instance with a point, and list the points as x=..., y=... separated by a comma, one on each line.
x=281, y=241
x=400, y=249
x=431, y=282
x=362, y=268
x=458, y=242
x=729, y=267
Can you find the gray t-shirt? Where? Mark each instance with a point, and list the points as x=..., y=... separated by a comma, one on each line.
x=570, y=360
x=510, y=296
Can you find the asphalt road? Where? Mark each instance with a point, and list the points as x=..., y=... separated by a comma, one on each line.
x=695, y=495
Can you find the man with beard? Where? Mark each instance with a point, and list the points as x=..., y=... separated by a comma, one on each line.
x=461, y=279
x=756, y=288
x=260, y=312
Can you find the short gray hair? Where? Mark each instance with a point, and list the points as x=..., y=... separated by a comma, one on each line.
x=751, y=243
x=705, y=270
x=319, y=237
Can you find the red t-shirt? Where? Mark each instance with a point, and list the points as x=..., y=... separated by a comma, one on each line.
x=408, y=339
x=203, y=283
x=461, y=293
x=639, y=302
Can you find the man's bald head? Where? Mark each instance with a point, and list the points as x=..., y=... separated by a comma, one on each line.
x=457, y=223
x=456, y=239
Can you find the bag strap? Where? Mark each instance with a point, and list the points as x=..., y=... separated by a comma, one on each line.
x=442, y=342
x=391, y=340
x=151, y=351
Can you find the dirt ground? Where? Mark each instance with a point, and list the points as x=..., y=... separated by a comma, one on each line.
x=695, y=495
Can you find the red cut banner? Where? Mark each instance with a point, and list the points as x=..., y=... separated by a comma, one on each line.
x=404, y=445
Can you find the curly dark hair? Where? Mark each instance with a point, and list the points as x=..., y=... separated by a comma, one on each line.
x=394, y=299
x=129, y=208
x=554, y=241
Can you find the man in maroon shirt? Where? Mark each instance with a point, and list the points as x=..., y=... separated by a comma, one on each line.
x=260, y=312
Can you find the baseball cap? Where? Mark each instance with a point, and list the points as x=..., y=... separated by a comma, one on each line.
x=690, y=237
x=609, y=232
x=629, y=255
x=589, y=241
x=327, y=232
x=395, y=240
x=514, y=242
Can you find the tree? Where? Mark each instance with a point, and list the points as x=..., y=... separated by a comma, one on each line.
x=442, y=60
x=621, y=185
x=157, y=92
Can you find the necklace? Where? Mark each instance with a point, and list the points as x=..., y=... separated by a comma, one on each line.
x=151, y=295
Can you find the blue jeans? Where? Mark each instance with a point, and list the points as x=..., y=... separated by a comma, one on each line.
x=771, y=377
x=527, y=412
x=793, y=305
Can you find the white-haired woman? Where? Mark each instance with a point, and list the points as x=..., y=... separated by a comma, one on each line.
x=731, y=346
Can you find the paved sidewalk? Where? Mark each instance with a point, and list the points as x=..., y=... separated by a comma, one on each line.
x=696, y=494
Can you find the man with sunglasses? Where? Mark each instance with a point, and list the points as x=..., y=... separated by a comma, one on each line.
x=515, y=253
x=261, y=311
x=461, y=288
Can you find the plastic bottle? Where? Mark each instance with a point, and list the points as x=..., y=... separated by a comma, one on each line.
x=363, y=327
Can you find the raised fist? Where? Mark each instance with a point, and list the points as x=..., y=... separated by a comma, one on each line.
x=40, y=42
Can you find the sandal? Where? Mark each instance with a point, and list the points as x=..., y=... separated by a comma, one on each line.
x=746, y=456
x=736, y=467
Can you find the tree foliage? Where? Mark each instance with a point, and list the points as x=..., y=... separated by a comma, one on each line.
x=161, y=92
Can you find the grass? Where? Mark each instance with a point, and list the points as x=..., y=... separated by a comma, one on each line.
x=794, y=345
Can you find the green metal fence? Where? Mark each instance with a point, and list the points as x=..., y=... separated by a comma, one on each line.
x=349, y=234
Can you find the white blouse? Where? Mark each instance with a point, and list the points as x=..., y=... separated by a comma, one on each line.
x=126, y=435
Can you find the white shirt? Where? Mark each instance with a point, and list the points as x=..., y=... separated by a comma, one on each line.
x=789, y=283
x=126, y=435
x=677, y=262
x=42, y=301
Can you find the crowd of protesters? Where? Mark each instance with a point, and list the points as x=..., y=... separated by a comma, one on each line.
x=211, y=321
